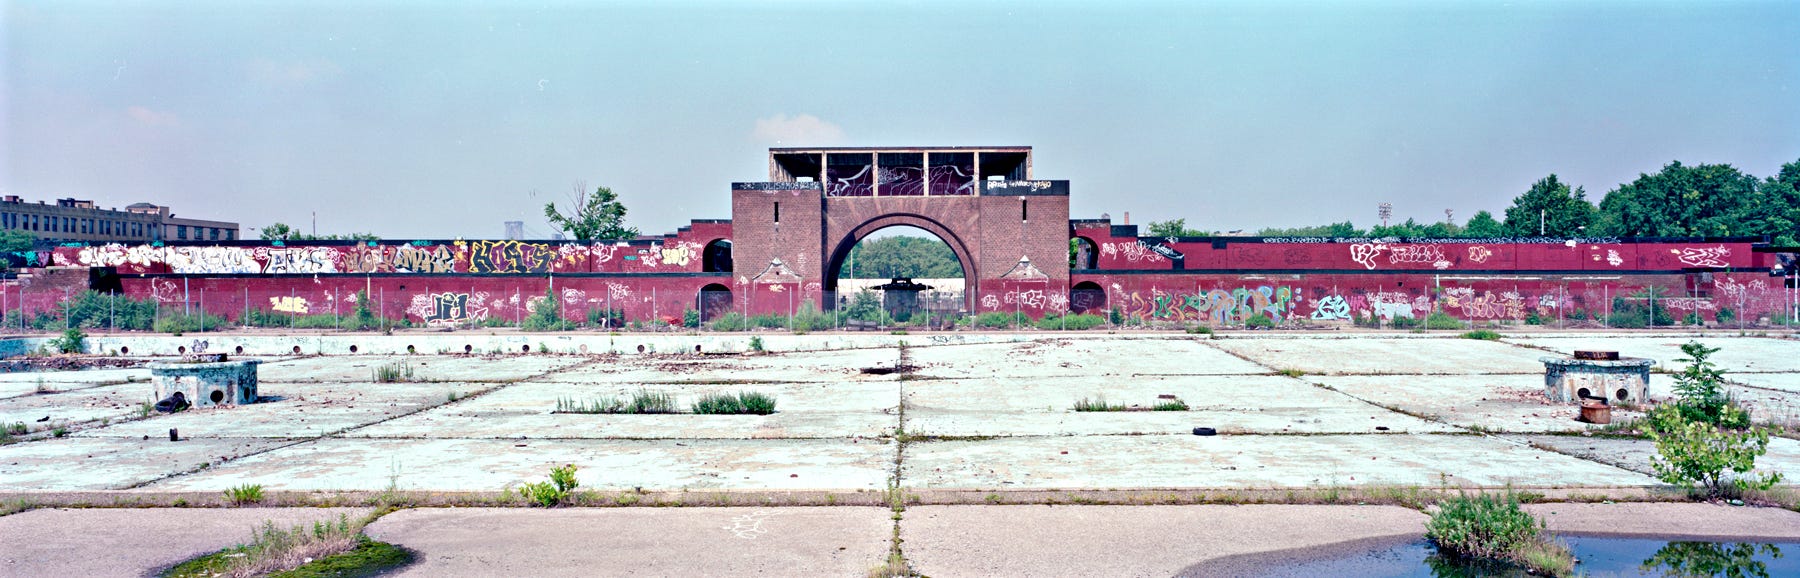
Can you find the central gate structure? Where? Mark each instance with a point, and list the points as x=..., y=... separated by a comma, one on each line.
x=790, y=234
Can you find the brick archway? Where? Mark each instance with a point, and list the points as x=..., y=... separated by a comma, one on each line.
x=841, y=249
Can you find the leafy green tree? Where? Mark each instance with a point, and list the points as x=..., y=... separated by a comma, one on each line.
x=1483, y=224
x=13, y=246
x=1550, y=208
x=1344, y=229
x=1172, y=228
x=1775, y=210
x=1681, y=201
x=283, y=232
x=597, y=215
x=901, y=256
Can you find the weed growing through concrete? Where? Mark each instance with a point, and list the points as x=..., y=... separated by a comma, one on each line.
x=571, y=405
x=18, y=428
x=394, y=372
x=1174, y=404
x=747, y=402
x=1483, y=334
x=1098, y=403
x=644, y=401
x=60, y=431
x=549, y=494
x=244, y=494
x=42, y=387
x=1290, y=372
x=756, y=343
x=1494, y=527
x=322, y=549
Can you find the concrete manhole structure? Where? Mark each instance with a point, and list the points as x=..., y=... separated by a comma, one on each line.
x=1597, y=375
x=207, y=384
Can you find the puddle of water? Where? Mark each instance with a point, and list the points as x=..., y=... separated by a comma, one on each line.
x=1599, y=556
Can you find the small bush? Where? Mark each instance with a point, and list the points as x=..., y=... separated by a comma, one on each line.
x=1442, y=320
x=570, y=405
x=611, y=318
x=245, y=494
x=1259, y=321
x=728, y=321
x=1054, y=321
x=1698, y=456
x=645, y=401
x=549, y=494
x=1096, y=404
x=1700, y=391
x=547, y=316
x=1493, y=527
x=690, y=318
x=1725, y=315
x=1405, y=323
x=70, y=342
x=756, y=343
x=751, y=403
x=1532, y=318
x=1200, y=330
x=996, y=320
x=174, y=322
x=318, y=550
x=1482, y=334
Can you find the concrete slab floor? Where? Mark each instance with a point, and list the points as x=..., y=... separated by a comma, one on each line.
x=1235, y=404
x=1636, y=454
x=1127, y=540
x=426, y=367
x=816, y=366
x=75, y=463
x=28, y=382
x=1079, y=357
x=803, y=410
x=298, y=410
x=842, y=541
x=1736, y=354
x=135, y=542
x=498, y=465
x=1374, y=355
x=1513, y=403
x=115, y=402
x=1249, y=461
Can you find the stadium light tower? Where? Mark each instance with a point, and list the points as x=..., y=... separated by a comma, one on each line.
x=1385, y=210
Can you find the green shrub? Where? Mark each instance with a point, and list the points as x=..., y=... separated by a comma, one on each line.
x=756, y=343
x=1259, y=321
x=1698, y=455
x=1115, y=316
x=1442, y=320
x=612, y=318
x=547, y=316
x=690, y=318
x=1096, y=404
x=70, y=342
x=1725, y=315
x=1482, y=334
x=1200, y=330
x=92, y=310
x=549, y=494
x=996, y=320
x=1054, y=321
x=741, y=403
x=1486, y=526
x=729, y=321
x=809, y=318
x=1692, y=318
x=865, y=306
x=1404, y=323
x=1700, y=392
x=361, y=318
x=176, y=322
x=1532, y=318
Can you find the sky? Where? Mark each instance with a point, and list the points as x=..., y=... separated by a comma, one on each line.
x=416, y=120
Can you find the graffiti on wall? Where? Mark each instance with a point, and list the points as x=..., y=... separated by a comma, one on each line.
x=510, y=257
x=308, y=260
x=1364, y=253
x=436, y=259
x=447, y=308
x=1134, y=252
x=1479, y=253
x=198, y=260
x=1218, y=306
x=289, y=304
x=1330, y=308
x=1703, y=256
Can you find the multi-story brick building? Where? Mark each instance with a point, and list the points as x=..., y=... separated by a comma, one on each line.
x=81, y=220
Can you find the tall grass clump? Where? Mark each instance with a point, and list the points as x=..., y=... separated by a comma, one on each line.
x=747, y=402
x=1442, y=320
x=546, y=316
x=728, y=321
x=244, y=494
x=1494, y=527
x=1482, y=334
x=644, y=401
x=1098, y=403
x=997, y=320
x=326, y=546
x=394, y=372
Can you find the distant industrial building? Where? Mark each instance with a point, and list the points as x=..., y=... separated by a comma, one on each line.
x=80, y=220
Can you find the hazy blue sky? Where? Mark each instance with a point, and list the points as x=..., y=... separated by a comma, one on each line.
x=435, y=119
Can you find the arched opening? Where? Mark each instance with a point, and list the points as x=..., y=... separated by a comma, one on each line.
x=714, y=300
x=716, y=258
x=1082, y=253
x=1087, y=297
x=899, y=269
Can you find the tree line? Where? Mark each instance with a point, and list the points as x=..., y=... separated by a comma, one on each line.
x=1705, y=200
